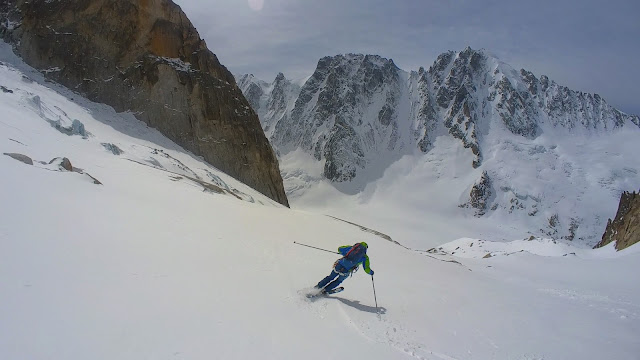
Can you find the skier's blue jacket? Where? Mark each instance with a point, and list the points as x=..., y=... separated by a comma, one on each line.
x=345, y=265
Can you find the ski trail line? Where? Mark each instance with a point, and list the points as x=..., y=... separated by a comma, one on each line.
x=382, y=331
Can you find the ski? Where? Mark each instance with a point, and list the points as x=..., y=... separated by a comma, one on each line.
x=333, y=291
x=325, y=293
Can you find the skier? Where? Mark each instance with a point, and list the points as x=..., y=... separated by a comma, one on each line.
x=353, y=256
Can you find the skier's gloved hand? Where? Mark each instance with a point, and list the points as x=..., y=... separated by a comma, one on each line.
x=371, y=273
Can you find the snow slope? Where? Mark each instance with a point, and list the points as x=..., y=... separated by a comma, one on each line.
x=155, y=264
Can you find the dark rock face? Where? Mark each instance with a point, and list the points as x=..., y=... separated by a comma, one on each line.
x=480, y=195
x=278, y=99
x=146, y=57
x=454, y=94
x=425, y=113
x=625, y=228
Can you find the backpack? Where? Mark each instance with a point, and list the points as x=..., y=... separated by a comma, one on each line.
x=356, y=252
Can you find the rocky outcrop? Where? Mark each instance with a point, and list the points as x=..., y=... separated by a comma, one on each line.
x=56, y=164
x=62, y=163
x=480, y=194
x=146, y=57
x=20, y=157
x=624, y=230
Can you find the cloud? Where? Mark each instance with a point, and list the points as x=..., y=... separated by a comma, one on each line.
x=586, y=45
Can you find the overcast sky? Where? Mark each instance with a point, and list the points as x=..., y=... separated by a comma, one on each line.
x=587, y=45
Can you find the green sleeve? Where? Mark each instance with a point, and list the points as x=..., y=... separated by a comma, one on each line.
x=366, y=265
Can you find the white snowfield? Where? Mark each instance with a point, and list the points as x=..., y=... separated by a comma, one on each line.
x=168, y=258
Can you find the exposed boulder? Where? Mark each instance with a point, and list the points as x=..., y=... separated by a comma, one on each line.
x=625, y=228
x=59, y=164
x=146, y=57
x=24, y=158
x=62, y=162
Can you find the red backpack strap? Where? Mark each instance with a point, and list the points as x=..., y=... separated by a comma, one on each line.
x=350, y=250
x=354, y=247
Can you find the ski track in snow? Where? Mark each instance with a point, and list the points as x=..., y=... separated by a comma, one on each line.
x=382, y=330
x=319, y=308
x=374, y=328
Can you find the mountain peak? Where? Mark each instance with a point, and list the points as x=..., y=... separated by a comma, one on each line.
x=354, y=60
x=357, y=114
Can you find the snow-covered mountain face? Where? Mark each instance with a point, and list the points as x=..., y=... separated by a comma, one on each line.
x=536, y=151
x=473, y=90
x=345, y=115
x=271, y=101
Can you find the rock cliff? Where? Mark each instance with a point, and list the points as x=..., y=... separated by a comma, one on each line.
x=146, y=57
x=625, y=228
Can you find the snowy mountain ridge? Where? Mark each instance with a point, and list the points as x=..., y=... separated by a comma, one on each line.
x=358, y=114
x=273, y=100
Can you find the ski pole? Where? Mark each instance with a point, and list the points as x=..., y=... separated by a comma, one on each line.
x=374, y=293
x=335, y=252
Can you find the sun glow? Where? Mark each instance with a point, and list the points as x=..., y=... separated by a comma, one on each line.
x=256, y=5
